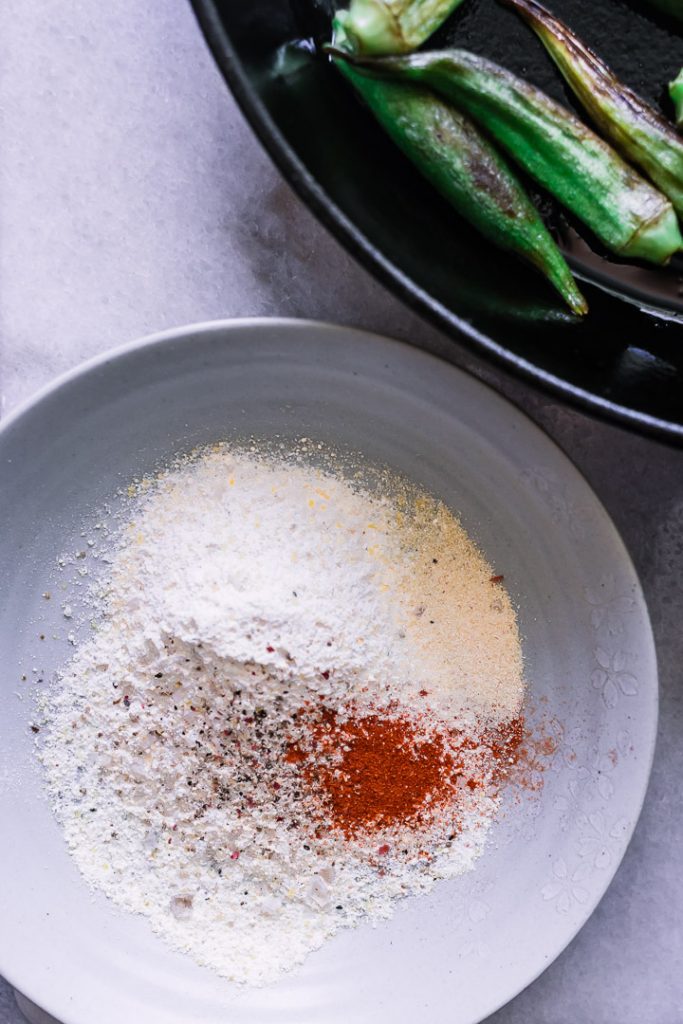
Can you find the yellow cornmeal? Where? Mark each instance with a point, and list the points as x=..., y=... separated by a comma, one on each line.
x=458, y=612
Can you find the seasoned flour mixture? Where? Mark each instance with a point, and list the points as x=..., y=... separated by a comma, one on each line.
x=298, y=703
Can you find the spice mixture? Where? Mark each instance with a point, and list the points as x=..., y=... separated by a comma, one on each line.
x=298, y=704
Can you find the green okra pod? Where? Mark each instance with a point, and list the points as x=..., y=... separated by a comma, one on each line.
x=633, y=126
x=392, y=26
x=676, y=94
x=629, y=216
x=465, y=168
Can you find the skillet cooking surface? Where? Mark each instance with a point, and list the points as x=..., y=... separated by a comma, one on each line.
x=623, y=361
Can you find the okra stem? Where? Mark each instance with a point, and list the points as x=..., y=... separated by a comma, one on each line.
x=676, y=94
x=392, y=26
x=634, y=127
x=628, y=215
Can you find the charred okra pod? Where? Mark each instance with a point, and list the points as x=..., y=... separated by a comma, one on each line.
x=634, y=127
x=392, y=26
x=629, y=216
x=465, y=168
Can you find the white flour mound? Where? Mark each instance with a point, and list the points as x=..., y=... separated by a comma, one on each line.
x=241, y=589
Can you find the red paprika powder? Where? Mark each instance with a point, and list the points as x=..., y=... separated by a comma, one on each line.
x=371, y=771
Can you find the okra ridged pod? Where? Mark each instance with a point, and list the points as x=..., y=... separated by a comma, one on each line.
x=627, y=214
x=392, y=26
x=465, y=168
x=633, y=126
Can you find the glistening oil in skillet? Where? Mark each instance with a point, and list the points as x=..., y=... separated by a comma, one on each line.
x=300, y=703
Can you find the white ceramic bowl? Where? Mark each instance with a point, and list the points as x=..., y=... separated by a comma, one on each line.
x=473, y=943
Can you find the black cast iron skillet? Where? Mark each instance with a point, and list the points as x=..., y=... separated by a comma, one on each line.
x=625, y=360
